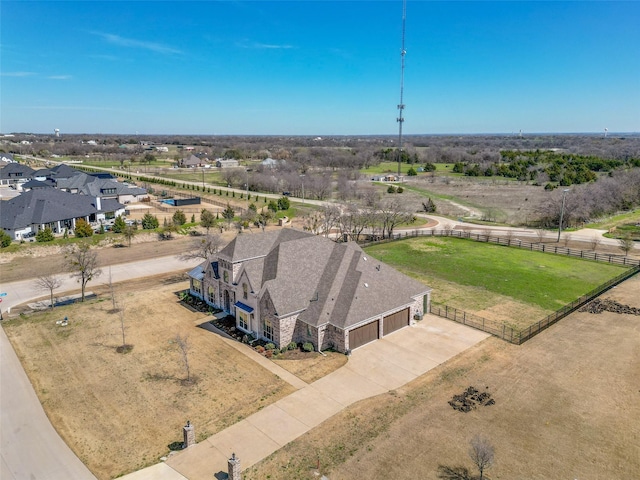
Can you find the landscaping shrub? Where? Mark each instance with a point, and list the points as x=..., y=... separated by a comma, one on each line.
x=292, y=346
x=269, y=346
x=308, y=347
x=5, y=239
x=45, y=235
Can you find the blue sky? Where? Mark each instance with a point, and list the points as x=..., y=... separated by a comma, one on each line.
x=318, y=67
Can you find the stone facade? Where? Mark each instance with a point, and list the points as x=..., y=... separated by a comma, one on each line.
x=249, y=278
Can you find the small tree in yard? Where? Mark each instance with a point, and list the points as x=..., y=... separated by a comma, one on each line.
x=121, y=309
x=481, y=452
x=179, y=218
x=595, y=242
x=228, y=214
x=119, y=224
x=284, y=203
x=207, y=219
x=128, y=233
x=50, y=283
x=45, y=235
x=5, y=239
x=149, y=222
x=184, y=347
x=83, y=229
x=83, y=262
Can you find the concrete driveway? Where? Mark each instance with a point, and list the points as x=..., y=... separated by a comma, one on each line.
x=375, y=368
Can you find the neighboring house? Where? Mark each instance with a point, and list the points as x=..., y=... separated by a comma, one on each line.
x=227, y=163
x=101, y=185
x=192, y=162
x=38, y=209
x=112, y=189
x=291, y=286
x=15, y=173
x=271, y=162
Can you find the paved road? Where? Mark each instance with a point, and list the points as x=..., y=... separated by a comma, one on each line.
x=30, y=448
x=25, y=291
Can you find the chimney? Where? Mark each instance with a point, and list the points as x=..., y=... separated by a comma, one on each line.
x=98, y=203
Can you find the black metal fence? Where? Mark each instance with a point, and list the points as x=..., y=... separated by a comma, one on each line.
x=519, y=336
x=502, y=330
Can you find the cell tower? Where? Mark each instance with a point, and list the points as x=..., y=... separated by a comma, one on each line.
x=400, y=118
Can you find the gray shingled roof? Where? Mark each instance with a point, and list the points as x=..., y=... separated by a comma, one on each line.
x=48, y=205
x=328, y=282
x=12, y=169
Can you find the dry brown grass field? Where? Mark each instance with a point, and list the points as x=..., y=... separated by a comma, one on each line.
x=567, y=406
x=119, y=412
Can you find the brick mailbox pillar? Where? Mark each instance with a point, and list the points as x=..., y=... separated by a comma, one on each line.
x=189, y=434
x=233, y=465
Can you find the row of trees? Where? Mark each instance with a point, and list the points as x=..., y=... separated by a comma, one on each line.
x=377, y=221
x=610, y=194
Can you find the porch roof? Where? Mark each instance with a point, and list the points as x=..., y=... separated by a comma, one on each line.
x=244, y=307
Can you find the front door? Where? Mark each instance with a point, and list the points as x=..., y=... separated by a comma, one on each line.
x=227, y=301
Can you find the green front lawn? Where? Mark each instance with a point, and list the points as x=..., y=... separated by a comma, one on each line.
x=543, y=280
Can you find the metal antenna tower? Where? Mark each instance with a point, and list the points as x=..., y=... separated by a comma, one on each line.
x=400, y=118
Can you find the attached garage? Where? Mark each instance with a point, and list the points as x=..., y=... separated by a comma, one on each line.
x=364, y=334
x=395, y=321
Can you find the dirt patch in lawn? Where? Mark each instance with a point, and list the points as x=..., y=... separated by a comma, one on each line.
x=310, y=366
x=121, y=411
x=566, y=406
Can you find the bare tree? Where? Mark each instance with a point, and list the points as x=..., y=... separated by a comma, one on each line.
x=392, y=214
x=121, y=309
x=566, y=238
x=625, y=243
x=595, y=242
x=313, y=222
x=129, y=233
x=184, y=347
x=540, y=235
x=203, y=247
x=508, y=234
x=481, y=452
x=486, y=233
x=84, y=262
x=50, y=283
x=330, y=218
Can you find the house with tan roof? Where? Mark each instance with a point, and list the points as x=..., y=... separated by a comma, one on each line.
x=291, y=286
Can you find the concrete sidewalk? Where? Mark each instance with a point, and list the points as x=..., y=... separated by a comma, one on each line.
x=373, y=369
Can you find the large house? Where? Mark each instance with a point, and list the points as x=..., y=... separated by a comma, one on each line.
x=291, y=286
x=37, y=209
x=15, y=174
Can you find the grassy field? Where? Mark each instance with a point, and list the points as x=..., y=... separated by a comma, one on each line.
x=613, y=221
x=566, y=407
x=474, y=275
